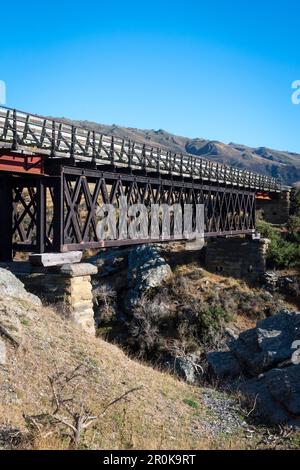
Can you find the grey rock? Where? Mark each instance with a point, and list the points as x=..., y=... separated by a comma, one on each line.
x=265, y=354
x=262, y=403
x=224, y=364
x=17, y=309
x=147, y=269
x=2, y=352
x=110, y=262
x=269, y=344
x=284, y=386
x=186, y=368
x=11, y=287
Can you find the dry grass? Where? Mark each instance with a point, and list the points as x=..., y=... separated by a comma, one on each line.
x=202, y=285
x=155, y=417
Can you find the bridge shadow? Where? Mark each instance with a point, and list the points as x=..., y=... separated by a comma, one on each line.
x=178, y=255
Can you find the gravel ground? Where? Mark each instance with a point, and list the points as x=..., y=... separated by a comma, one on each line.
x=223, y=413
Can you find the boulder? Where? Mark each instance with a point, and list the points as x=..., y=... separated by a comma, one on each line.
x=284, y=386
x=261, y=363
x=224, y=364
x=13, y=288
x=17, y=308
x=186, y=367
x=147, y=269
x=267, y=345
x=110, y=262
x=2, y=352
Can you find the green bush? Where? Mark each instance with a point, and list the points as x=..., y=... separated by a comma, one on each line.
x=284, y=250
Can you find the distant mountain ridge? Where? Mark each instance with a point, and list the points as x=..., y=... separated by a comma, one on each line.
x=279, y=164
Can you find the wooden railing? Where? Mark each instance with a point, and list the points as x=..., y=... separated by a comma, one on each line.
x=56, y=138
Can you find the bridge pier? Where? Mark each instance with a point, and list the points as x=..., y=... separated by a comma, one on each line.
x=275, y=210
x=68, y=287
x=242, y=258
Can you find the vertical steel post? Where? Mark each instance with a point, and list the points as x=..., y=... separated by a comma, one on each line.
x=41, y=216
x=58, y=212
x=6, y=218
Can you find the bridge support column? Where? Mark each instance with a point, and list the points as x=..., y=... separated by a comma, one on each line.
x=68, y=287
x=277, y=210
x=6, y=218
x=241, y=258
x=77, y=293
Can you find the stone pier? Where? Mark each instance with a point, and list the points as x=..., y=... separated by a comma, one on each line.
x=277, y=210
x=242, y=258
x=67, y=286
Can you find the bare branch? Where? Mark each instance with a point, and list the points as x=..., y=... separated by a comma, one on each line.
x=113, y=402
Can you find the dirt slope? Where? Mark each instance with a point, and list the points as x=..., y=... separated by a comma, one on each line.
x=164, y=413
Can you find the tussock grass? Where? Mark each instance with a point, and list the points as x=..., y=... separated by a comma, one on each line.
x=158, y=416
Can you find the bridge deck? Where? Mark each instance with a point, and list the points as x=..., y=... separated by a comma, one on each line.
x=54, y=139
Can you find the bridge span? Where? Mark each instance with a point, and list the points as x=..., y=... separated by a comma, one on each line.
x=55, y=175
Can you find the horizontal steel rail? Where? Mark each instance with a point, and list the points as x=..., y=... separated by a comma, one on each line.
x=58, y=139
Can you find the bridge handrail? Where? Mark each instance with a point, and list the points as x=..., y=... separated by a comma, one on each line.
x=59, y=138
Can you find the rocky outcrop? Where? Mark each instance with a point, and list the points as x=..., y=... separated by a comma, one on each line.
x=147, y=269
x=188, y=369
x=13, y=288
x=17, y=308
x=110, y=262
x=130, y=272
x=273, y=282
x=264, y=365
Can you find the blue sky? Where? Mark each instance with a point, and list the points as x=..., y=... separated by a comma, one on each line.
x=220, y=70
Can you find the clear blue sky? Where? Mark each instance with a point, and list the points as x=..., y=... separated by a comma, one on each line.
x=215, y=69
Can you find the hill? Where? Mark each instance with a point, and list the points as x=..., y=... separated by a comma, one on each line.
x=36, y=344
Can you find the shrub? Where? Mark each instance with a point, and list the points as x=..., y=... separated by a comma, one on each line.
x=283, y=250
x=163, y=324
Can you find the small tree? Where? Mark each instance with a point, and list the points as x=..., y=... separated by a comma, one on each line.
x=69, y=391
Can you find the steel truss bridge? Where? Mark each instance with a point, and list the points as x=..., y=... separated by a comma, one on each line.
x=55, y=175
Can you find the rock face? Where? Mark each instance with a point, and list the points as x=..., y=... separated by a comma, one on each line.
x=146, y=269
x=131, y=272
x=264, y=364
x=110, y=262
x=273, y=282
x=12, y=287
x=17, y=308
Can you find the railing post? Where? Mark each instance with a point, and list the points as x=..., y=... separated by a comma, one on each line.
x=94, y=150
x=144, y=163
x=129, y=154
x=181, y=165
x=15, y=131
x=158, y=160
x=112, y=151
x=73, y=142
x=53, y=146
x=58, y=212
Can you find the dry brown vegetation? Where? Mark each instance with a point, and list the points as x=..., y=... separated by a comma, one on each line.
x=160, y=414
x=192, y=310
